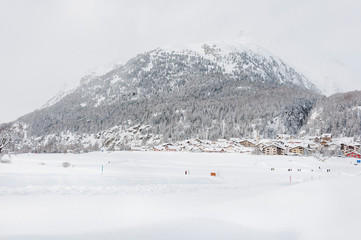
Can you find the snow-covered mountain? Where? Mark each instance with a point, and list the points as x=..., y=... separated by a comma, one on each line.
x=171, y=66
x=211, y=90
x=172, y=69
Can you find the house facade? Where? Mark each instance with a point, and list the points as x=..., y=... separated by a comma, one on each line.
x=273, y=150
x=299, y=150
x=326, y=137
x=354, y=155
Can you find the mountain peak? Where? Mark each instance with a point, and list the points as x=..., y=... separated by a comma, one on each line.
x=244, y=43
x=238, y=56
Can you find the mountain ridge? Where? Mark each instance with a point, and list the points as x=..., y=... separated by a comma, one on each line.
x=211, y=92
x=214, y=51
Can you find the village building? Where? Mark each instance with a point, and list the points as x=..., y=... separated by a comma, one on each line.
x=324, y=143
x=304, y=146
x=261, y=145
x=158, y=148
x=348, y=148
x=214, y=150
x=248, y=143
x=230, y=148
x=326, y=137
x=273, y=150
x=138, y=149
x=298, y=150
x=194, y=142
x=171, y=148
x=353, y=154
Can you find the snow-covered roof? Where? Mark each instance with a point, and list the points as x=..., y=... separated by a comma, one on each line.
x=293, y=146
x=326, y=135
x=249, y=140
x=274, y=145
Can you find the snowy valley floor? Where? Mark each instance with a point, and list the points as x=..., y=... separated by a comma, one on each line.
x=146, y=195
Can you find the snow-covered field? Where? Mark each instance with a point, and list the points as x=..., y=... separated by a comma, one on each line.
x=146, y=195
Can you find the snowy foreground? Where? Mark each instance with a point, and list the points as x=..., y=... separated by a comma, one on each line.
x=146, y=195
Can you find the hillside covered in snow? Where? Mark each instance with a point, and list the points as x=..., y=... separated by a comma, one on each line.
x=206, y=91
x=209, y=90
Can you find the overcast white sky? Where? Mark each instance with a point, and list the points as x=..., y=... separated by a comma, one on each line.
x=45, y=44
